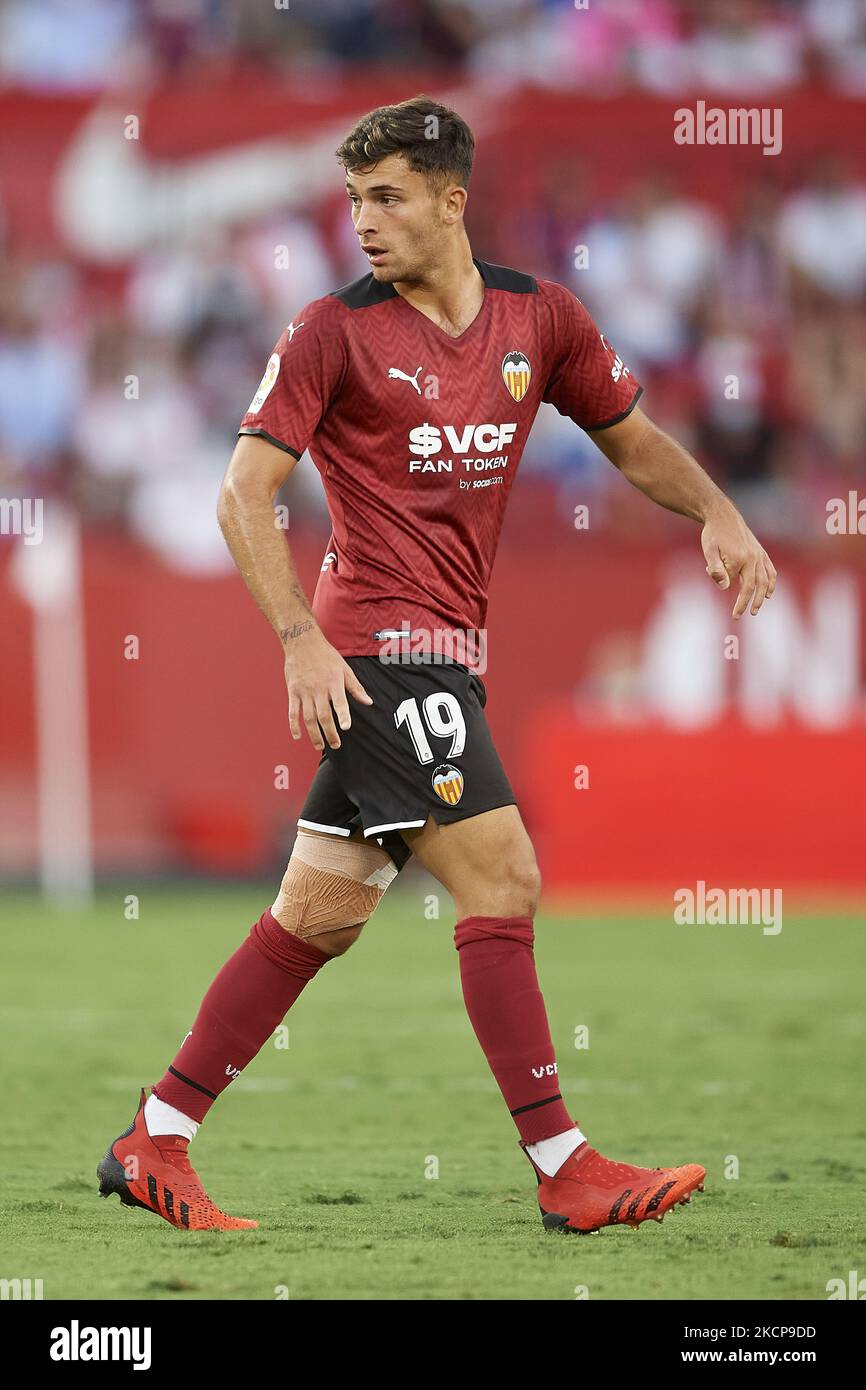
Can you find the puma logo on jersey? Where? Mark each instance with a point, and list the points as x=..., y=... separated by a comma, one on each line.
x=292, y=329
x=395, y=374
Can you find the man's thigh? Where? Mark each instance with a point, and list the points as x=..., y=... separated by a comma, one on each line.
x=332, y=886
x=476, y=857
x=328, y=810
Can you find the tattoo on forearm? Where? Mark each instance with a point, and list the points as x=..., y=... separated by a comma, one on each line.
x=287, y=633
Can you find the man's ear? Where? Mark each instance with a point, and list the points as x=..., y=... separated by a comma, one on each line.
x=455, y=202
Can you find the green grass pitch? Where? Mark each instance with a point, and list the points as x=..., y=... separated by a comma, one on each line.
x=719, y=1045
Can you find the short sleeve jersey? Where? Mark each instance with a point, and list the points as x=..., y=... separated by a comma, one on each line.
x=417, y=436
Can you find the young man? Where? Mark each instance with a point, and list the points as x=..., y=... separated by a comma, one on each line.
x=415, y=388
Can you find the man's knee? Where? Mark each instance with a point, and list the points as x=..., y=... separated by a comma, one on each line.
x=335, y=943
x=522, y=886
x=330, y=889
x=513, y=889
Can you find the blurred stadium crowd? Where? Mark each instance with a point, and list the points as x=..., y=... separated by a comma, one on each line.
x=655, y=44
x=771, y=290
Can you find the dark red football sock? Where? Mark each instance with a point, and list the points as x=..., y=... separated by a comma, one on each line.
x=505, y=1007
x=250, y=996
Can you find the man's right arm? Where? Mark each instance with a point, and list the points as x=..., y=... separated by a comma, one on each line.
x=317, y=677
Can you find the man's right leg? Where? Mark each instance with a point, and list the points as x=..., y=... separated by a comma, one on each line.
x=330, y=889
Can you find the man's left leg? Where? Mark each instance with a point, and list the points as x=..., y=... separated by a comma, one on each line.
x=486, y=862
x=488, y=865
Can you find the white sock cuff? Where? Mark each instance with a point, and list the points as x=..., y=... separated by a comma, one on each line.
x=160, y=1118
x=550, y=1154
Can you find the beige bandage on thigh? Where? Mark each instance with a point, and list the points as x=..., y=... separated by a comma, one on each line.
x=331, y=883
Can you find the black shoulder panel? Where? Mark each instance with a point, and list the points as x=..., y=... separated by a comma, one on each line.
x=363, y=293
x=502, y=277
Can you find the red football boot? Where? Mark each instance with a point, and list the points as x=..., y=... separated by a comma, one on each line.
x=590, y=1191
x=165, y=1183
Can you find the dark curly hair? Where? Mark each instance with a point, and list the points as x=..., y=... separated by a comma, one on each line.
x=434, y=140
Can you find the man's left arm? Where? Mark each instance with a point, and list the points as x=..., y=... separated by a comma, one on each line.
x=667, y=473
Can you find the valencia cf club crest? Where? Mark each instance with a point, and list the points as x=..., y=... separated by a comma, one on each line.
x=448, y=783
x=516, y=372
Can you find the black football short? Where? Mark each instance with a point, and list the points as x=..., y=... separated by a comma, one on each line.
x=421, y=749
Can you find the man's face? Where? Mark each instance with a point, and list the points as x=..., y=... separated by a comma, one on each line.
x=398, y=218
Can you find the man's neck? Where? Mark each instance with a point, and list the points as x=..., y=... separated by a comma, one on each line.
x=452, y=296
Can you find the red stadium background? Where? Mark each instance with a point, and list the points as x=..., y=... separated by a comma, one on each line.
x=606, y=645
x=589, y=667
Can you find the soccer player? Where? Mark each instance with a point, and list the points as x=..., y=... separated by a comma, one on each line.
x=414, y=389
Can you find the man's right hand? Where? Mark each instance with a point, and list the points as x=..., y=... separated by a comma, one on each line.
x=318, y=678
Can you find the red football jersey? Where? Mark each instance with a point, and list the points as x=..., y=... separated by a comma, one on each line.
x=418, y=435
